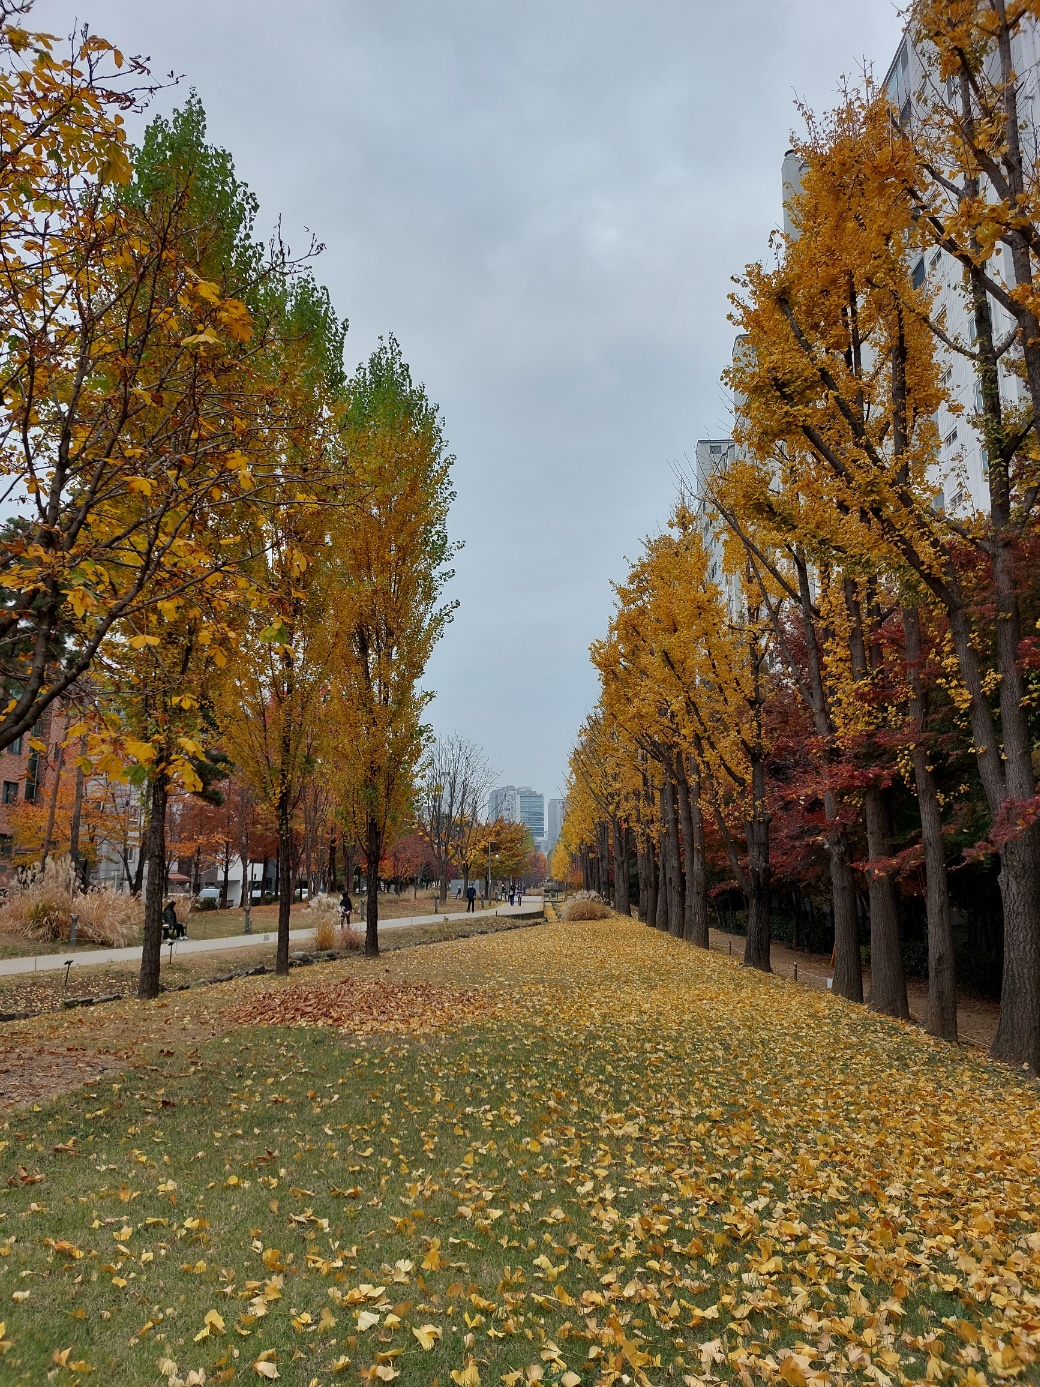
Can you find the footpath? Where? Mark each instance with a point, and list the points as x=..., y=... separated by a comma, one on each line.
x=86, y=958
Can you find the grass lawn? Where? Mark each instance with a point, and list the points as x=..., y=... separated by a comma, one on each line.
x=39, y=991
x=221, y=924
x=573, y=1154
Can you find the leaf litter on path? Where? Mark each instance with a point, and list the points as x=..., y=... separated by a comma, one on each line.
x=367, y=1007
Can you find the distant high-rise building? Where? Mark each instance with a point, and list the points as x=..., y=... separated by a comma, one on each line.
x=502, y=804
x=557, y=814
x=519, y=804
x=531, y=810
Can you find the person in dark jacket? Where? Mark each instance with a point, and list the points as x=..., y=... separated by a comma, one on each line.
x=172, y=927
x=471, y=899
x=346, y=909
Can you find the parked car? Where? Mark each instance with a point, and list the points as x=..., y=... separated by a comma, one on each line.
x=208, y=898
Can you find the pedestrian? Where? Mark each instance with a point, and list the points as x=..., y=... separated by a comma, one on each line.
x=471, y=899
x=512, y=892
x=172, y=927
x=346, y=909
x=520, y=894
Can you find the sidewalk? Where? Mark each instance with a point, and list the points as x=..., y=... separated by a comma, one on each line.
x=48, y=963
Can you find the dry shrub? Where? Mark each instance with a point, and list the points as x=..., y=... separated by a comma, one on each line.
x=325, y=934
x=109, y=917
x=586, y=906
x=40, y=906
x=325, y=910
x=351, y=938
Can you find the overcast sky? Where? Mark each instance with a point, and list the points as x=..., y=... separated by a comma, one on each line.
x=544, y=200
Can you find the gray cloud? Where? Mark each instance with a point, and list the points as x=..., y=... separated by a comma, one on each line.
x=545, y=201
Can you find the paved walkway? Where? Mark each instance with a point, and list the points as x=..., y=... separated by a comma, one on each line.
x=46, y=963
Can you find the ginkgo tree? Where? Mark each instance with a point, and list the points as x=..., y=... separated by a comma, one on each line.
x=122, y=356
x=397, y=552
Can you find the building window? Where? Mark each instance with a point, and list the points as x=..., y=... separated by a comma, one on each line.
x=950, y=439
x=10, y=791
x=16, y=747
x=714, y=447
x=936, y=257
x=6, y=845
x=917, y=278
x=905, y=113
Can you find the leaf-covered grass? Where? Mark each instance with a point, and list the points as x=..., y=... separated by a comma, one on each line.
x=648, y=1165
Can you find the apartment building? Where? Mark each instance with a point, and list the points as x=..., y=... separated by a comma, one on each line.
x=27, y=777
x=962, y=466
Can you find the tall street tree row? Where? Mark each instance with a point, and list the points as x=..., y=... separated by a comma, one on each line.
x=860, y=710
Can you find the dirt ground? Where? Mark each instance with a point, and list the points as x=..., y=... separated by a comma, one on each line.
x=976, y=1016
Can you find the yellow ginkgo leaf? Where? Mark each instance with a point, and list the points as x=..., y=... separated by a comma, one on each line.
x=427, y=1334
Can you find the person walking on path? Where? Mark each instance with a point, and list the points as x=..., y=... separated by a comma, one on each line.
x=512, y=893
x=471, y=899
x=346, y=909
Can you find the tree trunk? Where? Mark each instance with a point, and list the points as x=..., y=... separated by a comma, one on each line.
x=374, y=850
x=1019, y=1025
x=757, y=943
x=285, y=880
x=74, y=827
x=942, y=984
x=670, y=857
x=650, y=915
x=622, y=904
x=154, y=850
x=695, y=921
x=661, y=913
x=887, y=980
x=848, y=966
x=52, y=808
x=641, y=872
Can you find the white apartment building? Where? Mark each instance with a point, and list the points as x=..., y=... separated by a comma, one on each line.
x=963, y=464
x=962, y=467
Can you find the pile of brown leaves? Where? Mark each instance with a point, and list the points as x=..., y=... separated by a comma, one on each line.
x=366, y=1008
